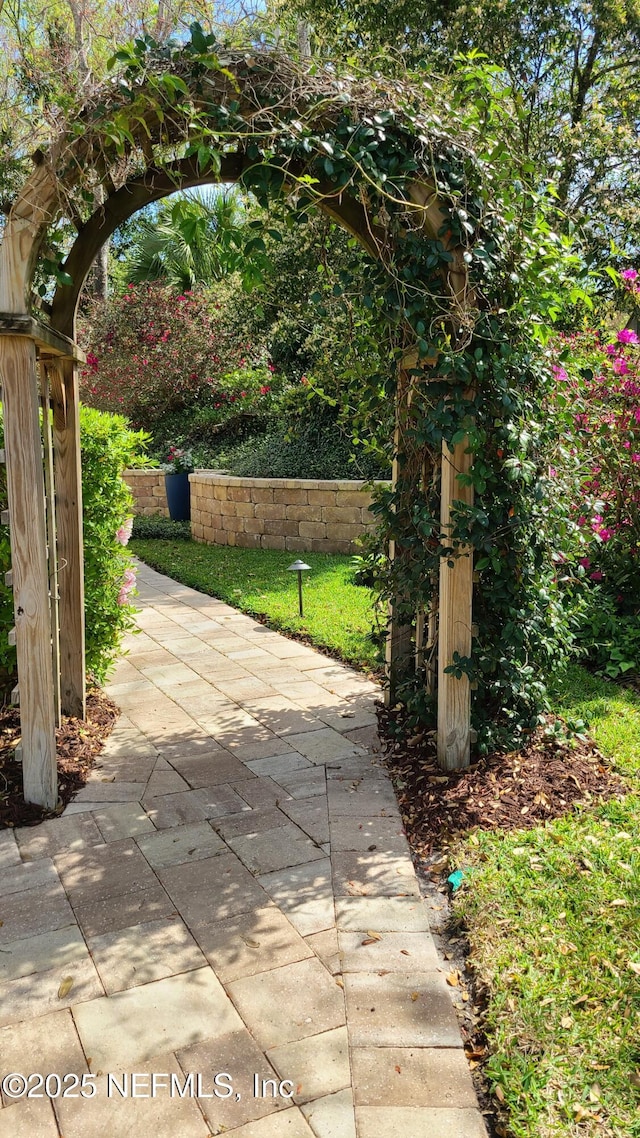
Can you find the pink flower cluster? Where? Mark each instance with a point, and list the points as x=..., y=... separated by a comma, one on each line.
x=603, y=415
x=128, y=583
x=124, y=532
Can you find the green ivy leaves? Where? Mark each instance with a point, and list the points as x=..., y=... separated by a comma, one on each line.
x=480, y=373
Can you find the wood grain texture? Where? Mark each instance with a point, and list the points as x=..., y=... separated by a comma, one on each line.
x=454, y=624
x=46, y=339
x=51, y=539
x=63, y=386
x=25, y=491
x=21, y=238
x=399, y=646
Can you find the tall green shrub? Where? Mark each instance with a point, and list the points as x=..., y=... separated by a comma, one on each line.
x=306, y=442
x=108, y=447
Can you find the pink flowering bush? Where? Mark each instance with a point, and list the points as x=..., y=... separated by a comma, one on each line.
x=171, y=366
x=127, y=586
x=152, y=352
x=123, y=533
x=601, y=400
x=597, y=405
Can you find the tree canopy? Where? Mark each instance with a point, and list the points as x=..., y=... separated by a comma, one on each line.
x=188, y=241
x=566, y=73
x=569, y=74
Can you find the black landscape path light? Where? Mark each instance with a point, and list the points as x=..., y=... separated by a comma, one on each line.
x=299, y=568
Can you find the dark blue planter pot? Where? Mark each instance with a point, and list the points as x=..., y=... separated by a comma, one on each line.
x=178, y=497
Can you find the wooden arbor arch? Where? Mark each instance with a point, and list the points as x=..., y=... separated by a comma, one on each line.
x=41, y=358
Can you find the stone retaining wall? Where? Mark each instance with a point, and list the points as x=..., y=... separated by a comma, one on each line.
x=278, y=513
x=147, y=487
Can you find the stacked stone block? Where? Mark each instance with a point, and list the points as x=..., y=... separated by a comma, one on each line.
x=147, y=487
x=295, y=514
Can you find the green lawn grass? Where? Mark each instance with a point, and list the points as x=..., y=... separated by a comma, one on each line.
x=612, y=713
x=338, y=614
x=553, y=918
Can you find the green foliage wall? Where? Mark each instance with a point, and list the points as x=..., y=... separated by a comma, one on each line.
x=308, y=442
x=108, y=447
x=482, y=370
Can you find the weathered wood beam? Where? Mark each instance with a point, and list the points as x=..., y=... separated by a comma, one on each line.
x=51, y=539
x=454, y=623
x=63, y=387
x=399, y=647
x=48, y=341
x=25, y=491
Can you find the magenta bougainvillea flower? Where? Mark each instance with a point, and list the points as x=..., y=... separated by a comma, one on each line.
x=602, y=413
x=621, y=367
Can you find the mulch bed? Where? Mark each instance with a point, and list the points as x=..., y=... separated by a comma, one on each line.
x=514, y=791
x=78, y=742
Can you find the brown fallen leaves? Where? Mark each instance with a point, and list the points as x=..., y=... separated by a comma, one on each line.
x=512, y=791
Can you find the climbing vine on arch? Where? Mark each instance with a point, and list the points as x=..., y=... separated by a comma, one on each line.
x=465, y=276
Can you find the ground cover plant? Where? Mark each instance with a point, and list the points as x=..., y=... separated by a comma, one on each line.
x=338, y=614
x=552, y=914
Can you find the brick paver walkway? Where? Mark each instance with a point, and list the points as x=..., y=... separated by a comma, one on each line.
x=230, y=895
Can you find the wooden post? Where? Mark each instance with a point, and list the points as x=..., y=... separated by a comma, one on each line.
x=454, y=626
x=63, y=381
x=428, y=643
x=51, y=539
x=399, y=646
x=25, y=487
